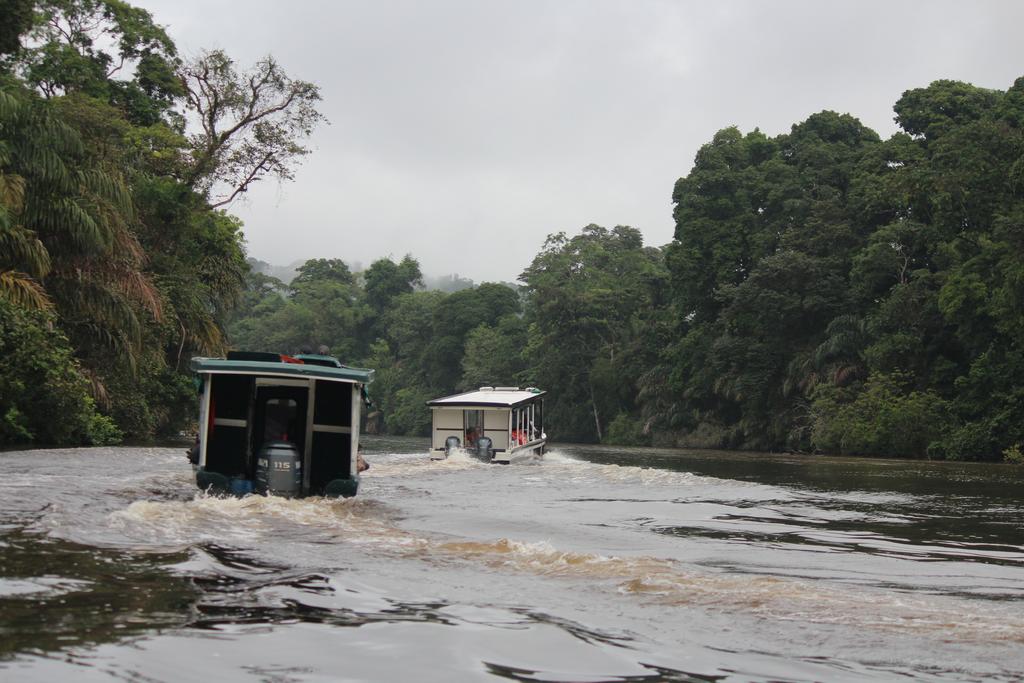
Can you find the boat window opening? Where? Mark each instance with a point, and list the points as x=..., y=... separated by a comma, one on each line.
x=518, y=437
x=332, y=450
x=279, y=414
x=227, y=431
x=473, y=422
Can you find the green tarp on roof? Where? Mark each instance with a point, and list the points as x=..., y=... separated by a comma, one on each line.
x=254, y=367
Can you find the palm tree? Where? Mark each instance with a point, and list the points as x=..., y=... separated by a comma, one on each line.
x=24, y=260
x=841, y=355
x=65, y=230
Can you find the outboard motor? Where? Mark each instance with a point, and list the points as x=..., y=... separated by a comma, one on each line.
x=450, y=444
x=484, y=448
x=279, y=469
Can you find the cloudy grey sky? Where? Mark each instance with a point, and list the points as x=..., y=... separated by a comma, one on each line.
x=464, y=132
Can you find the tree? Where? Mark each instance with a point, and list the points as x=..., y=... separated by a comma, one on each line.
x=454, y=318
x=494, y=354
x=760, y=264
x=383, y=282
x=319, y=270
x=250, y=123
x=772, y=317
x=723, y=215
x=883, y=419
x=401, y=388
x=68, y=217
x=17, y=20
x=587, y=298
x=24, y=261
x=943, y=106
x=44, y=398
x=83, y=46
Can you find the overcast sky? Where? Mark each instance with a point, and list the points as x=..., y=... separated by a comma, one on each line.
x=464, y=132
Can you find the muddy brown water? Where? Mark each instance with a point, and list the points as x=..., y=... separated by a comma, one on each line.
x=592, y=564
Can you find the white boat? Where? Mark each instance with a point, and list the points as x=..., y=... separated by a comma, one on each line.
x=497, y=424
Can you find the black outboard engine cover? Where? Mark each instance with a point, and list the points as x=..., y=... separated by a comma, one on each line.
x=279, y=469
x=450, y=444
x=484, y=448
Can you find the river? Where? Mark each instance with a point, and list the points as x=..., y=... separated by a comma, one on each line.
x=593, y=564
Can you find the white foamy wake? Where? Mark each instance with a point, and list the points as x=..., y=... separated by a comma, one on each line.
x=557, y=457
x=418, y=463
x=578, y=470
x=396, y=465
x=243, y=521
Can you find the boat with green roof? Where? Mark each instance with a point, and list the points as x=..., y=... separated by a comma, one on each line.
x=279, y=425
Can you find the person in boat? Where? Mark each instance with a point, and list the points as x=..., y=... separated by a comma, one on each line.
x=361, y=464
x=471, y=437
x=193, y=453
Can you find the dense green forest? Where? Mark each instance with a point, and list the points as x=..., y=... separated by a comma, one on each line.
x=116, y=262
x=825, y=290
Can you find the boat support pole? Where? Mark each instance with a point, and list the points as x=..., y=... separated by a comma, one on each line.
x=354, y=447
x=204, y=418
x=307, y=456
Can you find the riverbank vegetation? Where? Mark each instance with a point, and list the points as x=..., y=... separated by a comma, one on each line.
x=115, y=263
x=826, y=289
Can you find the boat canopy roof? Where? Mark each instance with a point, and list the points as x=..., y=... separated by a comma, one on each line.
x=272, y=364
x=491, y=397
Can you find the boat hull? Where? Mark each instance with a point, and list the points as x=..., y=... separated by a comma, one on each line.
x=525, y=452
x=528, y=451
x=217, y=484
